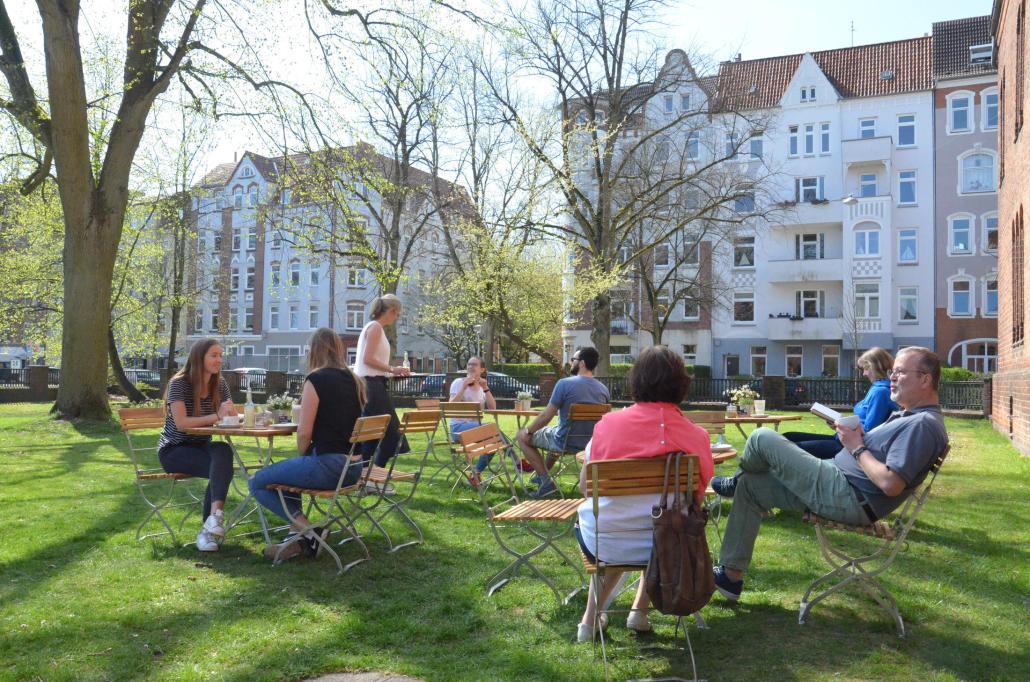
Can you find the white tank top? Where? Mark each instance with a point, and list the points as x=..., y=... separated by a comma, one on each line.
x=380, y=353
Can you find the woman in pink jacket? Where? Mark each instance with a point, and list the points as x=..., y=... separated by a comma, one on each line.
x=652, y=427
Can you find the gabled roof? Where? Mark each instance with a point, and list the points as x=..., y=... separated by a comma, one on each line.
x=951, y=41
x=853, y=71
x=217, y=176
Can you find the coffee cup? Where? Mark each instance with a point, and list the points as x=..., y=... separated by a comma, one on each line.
x=230, y=420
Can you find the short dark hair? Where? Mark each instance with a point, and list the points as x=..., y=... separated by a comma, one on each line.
x=589, y=357
x=928, y=362
x=659, y=376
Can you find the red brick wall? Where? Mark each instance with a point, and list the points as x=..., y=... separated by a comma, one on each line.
x=1011, y=414
x=950, y=330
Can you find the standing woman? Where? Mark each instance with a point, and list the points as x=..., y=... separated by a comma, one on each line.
x=331, y=402
x=198, y=396
x=373, y=365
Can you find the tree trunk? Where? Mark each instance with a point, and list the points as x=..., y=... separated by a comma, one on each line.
x=601, y=332
x=89, y=255
x=131, y=392
x=488, y=352
x=178, y=282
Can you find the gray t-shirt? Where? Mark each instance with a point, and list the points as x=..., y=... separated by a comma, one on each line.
x=569, y=391
x=907, y=443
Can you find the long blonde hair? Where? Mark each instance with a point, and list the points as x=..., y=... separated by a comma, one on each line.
x=193, y=372
x=325, y=349
x=383, y=303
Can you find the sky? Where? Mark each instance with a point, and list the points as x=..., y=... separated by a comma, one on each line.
x=767, y=28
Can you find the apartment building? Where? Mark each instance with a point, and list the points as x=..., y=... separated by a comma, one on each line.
x=264, y=290
x=966, y=108
x=1011, y=385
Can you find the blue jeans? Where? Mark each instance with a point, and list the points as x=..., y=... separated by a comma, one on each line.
x=319, y=472
x=823, y=446
x=211, y=460
x=458, y=427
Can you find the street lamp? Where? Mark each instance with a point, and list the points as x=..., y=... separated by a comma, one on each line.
x=479, y=340
x=849, y=200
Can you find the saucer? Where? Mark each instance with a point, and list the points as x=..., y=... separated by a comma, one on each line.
x=223, y=425
x=716, y=447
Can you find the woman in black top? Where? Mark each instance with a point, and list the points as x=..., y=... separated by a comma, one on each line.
x=191, y=403
x=331, y=402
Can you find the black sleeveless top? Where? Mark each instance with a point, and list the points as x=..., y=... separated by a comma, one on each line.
x=338, y=409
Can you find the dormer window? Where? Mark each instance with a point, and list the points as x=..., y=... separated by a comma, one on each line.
x=247, y=172
x=981, y=54
x=808, y=93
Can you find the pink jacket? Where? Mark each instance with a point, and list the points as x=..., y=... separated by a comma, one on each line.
x=650, y=430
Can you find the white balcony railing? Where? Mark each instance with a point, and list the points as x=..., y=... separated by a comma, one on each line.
x=868, y=150
x=817, y=270
x=814, y=328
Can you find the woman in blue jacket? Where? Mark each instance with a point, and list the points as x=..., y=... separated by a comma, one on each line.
x=873, y=409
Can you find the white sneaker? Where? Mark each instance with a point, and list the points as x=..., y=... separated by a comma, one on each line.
x=206, y=542
x=373, y=487
x=215, y=525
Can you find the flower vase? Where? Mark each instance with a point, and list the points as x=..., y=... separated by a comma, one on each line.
x=746, y=409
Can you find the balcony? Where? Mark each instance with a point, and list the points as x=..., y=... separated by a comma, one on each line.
x=622, y=326
x=877, y=209
x=868, y=150
x=817, y=270
x=809, y=328
x=820, y=212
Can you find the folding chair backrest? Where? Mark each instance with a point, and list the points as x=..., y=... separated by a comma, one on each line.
x=370, y=428
x=136, y=418
x=590, y=412
x=714, y=422
x=427, y=403
x=462, y=410
x=640, y=476
x=420, y=421
x=482, y=440
x=907, y=513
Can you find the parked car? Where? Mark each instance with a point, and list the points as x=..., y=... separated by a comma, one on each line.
x=252, y=376
x=150, y=377
x=504, y=386
x=432, y=386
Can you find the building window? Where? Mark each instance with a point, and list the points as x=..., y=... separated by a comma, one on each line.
x=808, y=189
x=313, y=315
x=661, y=256
x=960, y=235
x=356, y=278
x=867, y=301
x=237, y=198
x=744, y=204
x=294, y=273
x=668, y=102
x=758, y=358
x=990, y=304
x=690, y=354
x=294, y=316
x=809, y=246
x=906, y=130
x=684, y=102
x=792, y=149
x=960, y=297
x=218, y=242
x=959, y=114
x=236, y=241
x=198, y=321
x=867, y=185
x=313, y=274
x=808, y=93
x=252, y=240
x=795, y=357
x=1017, y=251
x=248, y=319
x=978, y=355
x=755, y=145
x=732, y=145
x=809, y=138
x=276, y=274
x=908, y=304
x=990, y=109
x=250, y=277
x=691, y=247
x=277, y=240
x=978, y=173
x=253, y=195
x=809, y=303
x=731, y=363
x=867, y=243
x=691, y=309
x=990, y=222
x=908, y=246
x=831, y=361
x=234, y=279
x=234, y=319
x=273, y=317
x=215, y=326
x=743, y=306
x=744, y=252
x=866, y=128
x=693, y=145
x=907, y=187
x=824, y=138
x=355, y=315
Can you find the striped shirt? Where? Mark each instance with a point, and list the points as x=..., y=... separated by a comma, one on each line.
x=180, y=390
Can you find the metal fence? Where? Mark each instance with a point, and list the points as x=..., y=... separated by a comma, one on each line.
x=150, y=377
x=802, y=392
x=53, y=377
x=962, y=395
x=14, y=378
x=709, y=390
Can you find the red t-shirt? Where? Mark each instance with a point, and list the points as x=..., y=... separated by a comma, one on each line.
x=651, y=430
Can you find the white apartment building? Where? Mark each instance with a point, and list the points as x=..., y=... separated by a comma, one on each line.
x=263, y=291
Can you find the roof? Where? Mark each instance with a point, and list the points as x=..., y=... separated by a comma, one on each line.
x=951, y=42
x=853, y=71
x=218, y=175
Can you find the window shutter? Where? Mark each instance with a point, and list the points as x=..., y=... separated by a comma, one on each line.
x=797, y=247
x=797, y=304
x=822, y=245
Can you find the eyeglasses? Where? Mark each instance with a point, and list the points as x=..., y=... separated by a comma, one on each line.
x=574, y=358
x=897, y=372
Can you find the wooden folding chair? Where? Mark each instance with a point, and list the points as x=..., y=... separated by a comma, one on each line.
x=417, y=421
x=538, y=523
x=456, y=467
x=579, y=414
x=635, y=476
x=714, y=422
x=156, y=487
x=329, y=502
x=862, y=570
x=427, y=403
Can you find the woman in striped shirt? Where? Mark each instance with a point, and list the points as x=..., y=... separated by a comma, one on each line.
x=198, y=396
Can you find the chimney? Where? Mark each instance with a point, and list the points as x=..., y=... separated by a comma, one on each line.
x=737, y=58
x=234, y=159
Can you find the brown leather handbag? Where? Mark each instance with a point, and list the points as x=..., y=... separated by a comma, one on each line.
x=679, y=576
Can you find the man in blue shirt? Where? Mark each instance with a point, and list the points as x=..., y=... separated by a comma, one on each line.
x=869, y=477
x=581, y=387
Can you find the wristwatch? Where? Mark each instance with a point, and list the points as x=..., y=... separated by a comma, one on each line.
x=859, y=450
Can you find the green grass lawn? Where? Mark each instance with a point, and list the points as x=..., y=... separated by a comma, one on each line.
x=81, y=599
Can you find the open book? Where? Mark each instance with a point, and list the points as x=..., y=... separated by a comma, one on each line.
x=851, y=421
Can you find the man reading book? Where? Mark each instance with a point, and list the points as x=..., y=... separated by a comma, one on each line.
x=869, y=477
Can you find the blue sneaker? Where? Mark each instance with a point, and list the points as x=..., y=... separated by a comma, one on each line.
x=535, y=480
x=730, y=589
x=546, y=488
x=724, y=486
